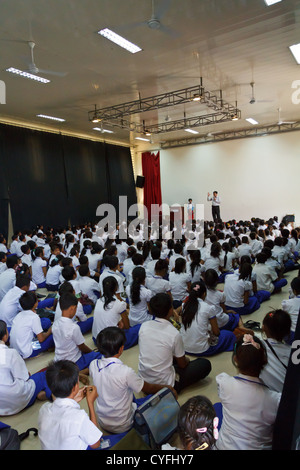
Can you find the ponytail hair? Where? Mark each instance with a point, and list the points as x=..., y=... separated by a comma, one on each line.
x=56, y=260
x=109, y=288
x=190, y=308
x=195, y=256
x=138, y=277
x=37, y=252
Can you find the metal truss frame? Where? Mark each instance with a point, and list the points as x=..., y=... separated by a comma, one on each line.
x=164, y=100
x=231, y=135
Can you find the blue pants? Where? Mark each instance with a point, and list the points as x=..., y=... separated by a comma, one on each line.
x=87, y=358
x=279, y=284
x=46, y=303
x=232, y=323
x=52, y=288
x=226, y=343
x=48, y=343
x=87, y=309
x=42, y=285
x=85, y=326
x=262, y=295
x=219, y=413
x=40, y=384
x=252, y=305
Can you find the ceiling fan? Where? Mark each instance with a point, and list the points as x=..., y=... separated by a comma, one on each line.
x=32, y=68
x=253, y=99
x=155, y=23
x=280, y=122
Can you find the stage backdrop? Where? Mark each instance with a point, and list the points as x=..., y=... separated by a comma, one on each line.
x=255, y=177
x=55, y=180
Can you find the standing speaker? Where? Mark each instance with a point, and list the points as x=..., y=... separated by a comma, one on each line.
x=140, y=181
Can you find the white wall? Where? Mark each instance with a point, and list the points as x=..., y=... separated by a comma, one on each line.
x=255, y=177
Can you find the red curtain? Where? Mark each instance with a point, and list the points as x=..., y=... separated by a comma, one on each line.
x=152, y=187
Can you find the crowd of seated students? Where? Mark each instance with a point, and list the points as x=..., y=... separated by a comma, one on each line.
x=179, y=297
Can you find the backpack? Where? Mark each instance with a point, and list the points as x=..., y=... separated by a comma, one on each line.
x=156, y=419
x=10, y=439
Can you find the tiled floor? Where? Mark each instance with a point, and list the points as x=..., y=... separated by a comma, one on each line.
x=220, y=363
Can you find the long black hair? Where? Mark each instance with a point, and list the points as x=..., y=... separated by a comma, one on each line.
x=190, y=308
x=195, y=256
x=110, y=285
x=138, y=277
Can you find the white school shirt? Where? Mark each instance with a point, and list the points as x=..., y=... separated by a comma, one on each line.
x=278, y=253
x=94, y=259
x=195, y=337
x=7, y=281
x=215, y=297
x=53, y=275
x=249, y=413
x=109, y=316
x=159, y=342
x=26, y=259
x=117, y=276
x=67, y=337
x=79, y=312
x=16, y=387
x=273, y=373
x=230, y=256
x=265, y=275
x=150, y=269
x=88, y=286
x=25, y=325
x=63, y=425
x=127, y=266
x=173, y=259
x=245, y=249
x=292, y=306
x=157, y=284
x=13, y=247
x=213, y=263
x=234, y=290
x=3, y=267
x=3, y=248
x=10, y=306
x=178, y=283
x=115, y=383
x=139, y=313
x=198, y=270
x=37, y=266
x=256, y=246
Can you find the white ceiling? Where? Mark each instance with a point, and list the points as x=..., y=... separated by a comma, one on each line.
x=230, y=43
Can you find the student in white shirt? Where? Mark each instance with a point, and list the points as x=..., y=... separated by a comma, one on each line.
x=68, y=339
x=117, y=383
x=28, y=327
x=256, y=245
x=10, y=305
x=155, y=255
x=128, y=263
x=54, y=273
x=39, y=267
x=199, y=330
x=3, y=247
x=158, y=282
x=110, y=311
x=292, y=306
x=8, y=277
x=249, y=407
x=63, y=424
x=112, y=265
x=18, y=389
x=276, y=328
x=138, y=298
x=178, y=253
x=194, y=267
x=237, y=289
x=245, y=248
x=230, y=259
x=266, y=276
x=87, y=285
x=161, y=350
x=180, y=282
x=94, y=257
x=85, y=323
x=215, y=259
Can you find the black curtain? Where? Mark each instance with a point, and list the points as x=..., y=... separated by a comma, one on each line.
x=86, y=178
x=55, y=180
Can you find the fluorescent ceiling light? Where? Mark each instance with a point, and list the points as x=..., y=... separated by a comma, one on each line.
x=50, y=117
x=102, y=130
x=295, y=50
x=141, y=138
x=271, y=2
x=252, y=121
x=191, y=131
x=119, y=40
x=27, y=75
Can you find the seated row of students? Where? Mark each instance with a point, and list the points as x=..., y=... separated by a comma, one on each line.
x=146, y=351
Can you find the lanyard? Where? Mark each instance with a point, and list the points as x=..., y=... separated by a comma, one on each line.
x=99, y=370
x=252, y=381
